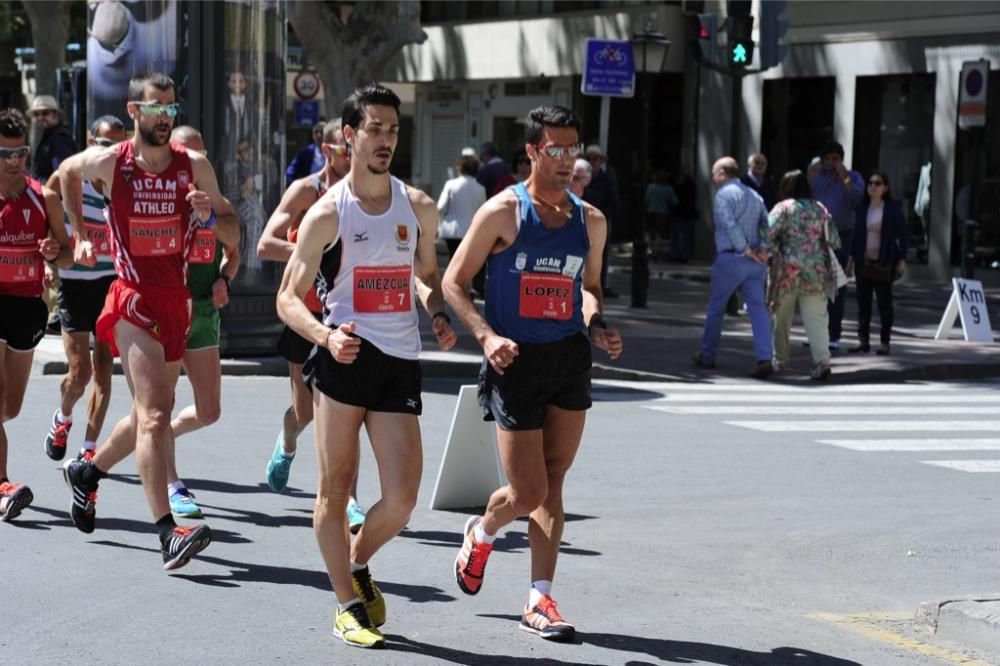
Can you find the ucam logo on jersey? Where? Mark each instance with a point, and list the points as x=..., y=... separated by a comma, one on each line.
x=183, y=179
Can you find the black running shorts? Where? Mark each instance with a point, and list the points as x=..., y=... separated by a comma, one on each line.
x=22, y=321
x=293, y=347
x=375, y=380
x=80, y=303
x=553, y=373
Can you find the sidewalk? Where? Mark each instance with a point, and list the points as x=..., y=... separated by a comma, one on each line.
x=660, y=339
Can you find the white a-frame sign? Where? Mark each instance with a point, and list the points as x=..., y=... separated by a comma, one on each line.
x=968, y=300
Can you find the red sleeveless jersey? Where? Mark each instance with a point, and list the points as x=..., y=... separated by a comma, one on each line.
x=150, y=219
x=23, y=222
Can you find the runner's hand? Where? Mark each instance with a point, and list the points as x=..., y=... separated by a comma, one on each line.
x=343, y=346
x=83, y=254
x=608, y=339
x=49, y=248
x=446, y=335
x=220, y=293
x=500, y=352
x=200, y=202
x=48, y=277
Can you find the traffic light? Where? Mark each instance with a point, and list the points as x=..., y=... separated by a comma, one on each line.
x=772, y=29
x=739, y=50
x=702, y=35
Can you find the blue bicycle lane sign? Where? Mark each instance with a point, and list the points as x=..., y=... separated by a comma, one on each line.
x=608, y=68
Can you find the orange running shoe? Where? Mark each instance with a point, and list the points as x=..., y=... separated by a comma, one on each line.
x=55, y=440
x=470, y=565
x=544, y=619
x=14, y=497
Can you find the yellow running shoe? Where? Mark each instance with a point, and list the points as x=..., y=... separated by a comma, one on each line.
x=369, y=593
x=353, y=626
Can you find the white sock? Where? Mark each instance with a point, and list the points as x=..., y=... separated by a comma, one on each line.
x=357, y=567
x=344, y=606
x=481, y=535
x=89, y=445
x=175, y=487
x=538, y=588
x=63, y=418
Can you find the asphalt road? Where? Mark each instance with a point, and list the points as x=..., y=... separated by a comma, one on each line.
x=701, y=530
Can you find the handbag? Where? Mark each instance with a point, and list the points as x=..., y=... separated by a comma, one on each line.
x=838, y=271
x=876, y=272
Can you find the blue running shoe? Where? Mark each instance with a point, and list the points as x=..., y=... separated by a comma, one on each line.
x=279, y=466
x=355, y=516
x=182, y=504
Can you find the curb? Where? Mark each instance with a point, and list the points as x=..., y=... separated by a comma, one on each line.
x=971, y=620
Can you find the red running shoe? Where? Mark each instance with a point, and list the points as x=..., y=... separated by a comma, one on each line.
x=470, y=565
x=544, y=619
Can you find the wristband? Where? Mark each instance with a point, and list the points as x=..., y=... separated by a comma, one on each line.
x=440, y=313
x=210, y=222
x=598, y=321
x=228, y=281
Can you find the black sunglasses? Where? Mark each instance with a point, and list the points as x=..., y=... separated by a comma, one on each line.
x=877, y=183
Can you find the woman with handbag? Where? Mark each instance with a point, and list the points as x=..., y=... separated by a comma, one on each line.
x=881, y=240
x=800, y=238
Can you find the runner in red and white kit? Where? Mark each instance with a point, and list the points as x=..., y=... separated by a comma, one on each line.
x=160, y=194
x=31, y=230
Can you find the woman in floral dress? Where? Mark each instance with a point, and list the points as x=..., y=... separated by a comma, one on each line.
x=800, y=233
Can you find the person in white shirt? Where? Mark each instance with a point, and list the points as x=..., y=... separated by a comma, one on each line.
x=460, y=198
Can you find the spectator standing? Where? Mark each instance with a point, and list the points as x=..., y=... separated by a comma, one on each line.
x=602, y=193
x=460, y=198
x=661, y=200
x=55, y=143
x=493, y=170
x=309, y=160
x=756, y=178
x=801, y=271
x=582, y=173
x=740, y=264
x=840, y=190
x=878, y=256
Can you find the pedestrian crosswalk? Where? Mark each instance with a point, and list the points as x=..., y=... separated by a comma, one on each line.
x=934, y=421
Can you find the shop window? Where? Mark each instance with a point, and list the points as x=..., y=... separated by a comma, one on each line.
x=894, y=134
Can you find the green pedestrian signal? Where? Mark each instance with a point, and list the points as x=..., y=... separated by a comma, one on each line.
x=739, y=55
x=740, y=46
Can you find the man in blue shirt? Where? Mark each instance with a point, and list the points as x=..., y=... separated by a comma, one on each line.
x=310, y=159
x=740, y=263
x=840, y=190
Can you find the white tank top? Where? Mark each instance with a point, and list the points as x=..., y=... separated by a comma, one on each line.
x=366, y=275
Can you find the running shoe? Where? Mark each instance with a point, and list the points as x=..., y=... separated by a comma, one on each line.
x=355, y=516
x=470, y=565
x=55, y=441
x=183, y=544
x=354, y=627
x=279, y=466
x=368, y=592
x=544, y=619
x=83, y=508
x=86, y=455
x=14, y=497
x=182, y=504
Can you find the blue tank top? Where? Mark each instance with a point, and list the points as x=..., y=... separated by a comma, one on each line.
x=534, y=288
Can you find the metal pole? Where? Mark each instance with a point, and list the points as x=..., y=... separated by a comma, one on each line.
x=734, y=133
x=640, y=258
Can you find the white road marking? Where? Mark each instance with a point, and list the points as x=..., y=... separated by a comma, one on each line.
x=929, y=444
x=867, y=426
x=763, y=396
x=966, y=465
x=816, y=410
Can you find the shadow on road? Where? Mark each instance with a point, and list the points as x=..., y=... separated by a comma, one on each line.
x=510, y=542
x=403, y=644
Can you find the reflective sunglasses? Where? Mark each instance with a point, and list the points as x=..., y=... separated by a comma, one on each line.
x=338, y=149
x=157, y=109
x=555, y=151
x=14, y=153
x=875, y=183
x=104, y=143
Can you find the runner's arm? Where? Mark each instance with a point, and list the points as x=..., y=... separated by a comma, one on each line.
x=57, y=231
x=425, y=269
x=274, y=244
x=227, y=225
x=53, y=183
x=95, y=163
x=319, y=228
x=606, y=338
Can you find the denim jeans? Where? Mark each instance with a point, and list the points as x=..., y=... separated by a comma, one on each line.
x=731, y=272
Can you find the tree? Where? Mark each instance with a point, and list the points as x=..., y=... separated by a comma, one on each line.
x=350, y=43
x=50, y=23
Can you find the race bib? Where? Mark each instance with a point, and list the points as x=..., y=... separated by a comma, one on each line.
x=546, y=296
x=20, y=264
x=203, y=249
x=97, y=234
x=382, y=289
x=154, y=236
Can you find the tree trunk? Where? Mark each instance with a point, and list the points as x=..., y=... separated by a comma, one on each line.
x=350, y=47
x=49, y=33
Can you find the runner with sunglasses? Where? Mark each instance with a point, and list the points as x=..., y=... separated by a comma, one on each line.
x=276, y=244
x=31, y=231
x=542, y=246
x=160, y=195
x=212, y=266
x=82, y=290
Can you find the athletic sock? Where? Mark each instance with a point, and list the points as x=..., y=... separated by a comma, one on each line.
x=174, y=487
x=355, y=567
x=91, y=476
x=63, y=418
x=89, y=445
x=481, y=535
x=165, y=526
x=539, y=588
x=344, y=606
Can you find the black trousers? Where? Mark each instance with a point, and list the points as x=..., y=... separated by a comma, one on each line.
x=883, y=292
